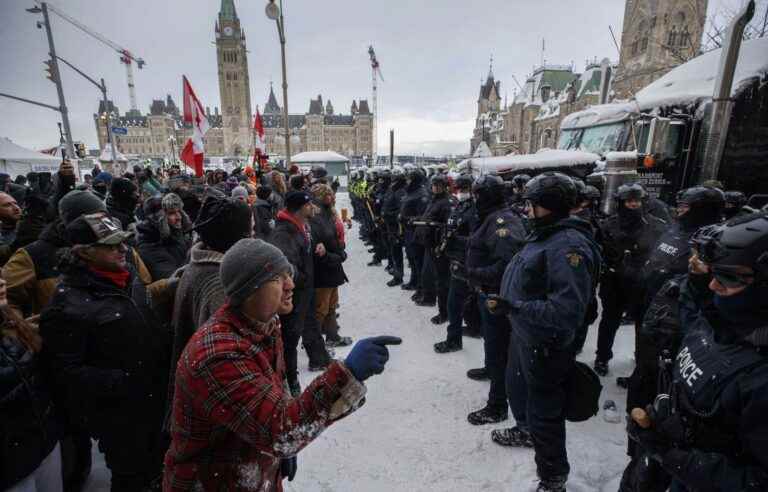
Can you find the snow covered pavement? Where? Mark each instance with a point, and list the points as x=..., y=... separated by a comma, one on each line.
x=412, y=434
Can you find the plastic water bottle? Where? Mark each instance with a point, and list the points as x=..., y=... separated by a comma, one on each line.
x=611, y=413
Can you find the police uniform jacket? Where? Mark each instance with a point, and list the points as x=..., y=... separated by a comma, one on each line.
x=490, y=248
x=550, y=283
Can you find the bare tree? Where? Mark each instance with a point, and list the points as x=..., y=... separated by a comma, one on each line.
x=717, y=23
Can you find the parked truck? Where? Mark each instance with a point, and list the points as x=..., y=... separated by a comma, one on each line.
x=706, y=119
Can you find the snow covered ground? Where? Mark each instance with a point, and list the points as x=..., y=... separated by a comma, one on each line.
x=412, y=434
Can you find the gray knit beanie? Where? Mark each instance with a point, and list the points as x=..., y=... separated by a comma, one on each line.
x=79, y=202
x=248, y=265
x=240, y=192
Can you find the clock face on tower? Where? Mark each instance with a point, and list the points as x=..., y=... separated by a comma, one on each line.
x=228, y=31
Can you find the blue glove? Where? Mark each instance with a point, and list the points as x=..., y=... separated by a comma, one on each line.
x=369, y=356
x=288, y=467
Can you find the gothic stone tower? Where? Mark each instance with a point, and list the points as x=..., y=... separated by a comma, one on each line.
x=657, y=36
x=234, y=84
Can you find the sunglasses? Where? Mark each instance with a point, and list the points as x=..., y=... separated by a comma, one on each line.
x=730, y=279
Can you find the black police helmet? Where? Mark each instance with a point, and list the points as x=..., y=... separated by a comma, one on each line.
x=385, y=174
x=520, y=180
x=701, y=195
x=488, y=182
x=319, y=171
x=439, y=180
x=736, y=199
x=742, y=241
x=464, y=182
x=591, y=193
x=634, y=191
x=554, y=191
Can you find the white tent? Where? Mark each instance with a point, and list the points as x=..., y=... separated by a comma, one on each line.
x=483, y=150
x=106, y=155
x=15, y=160
x=318, y=157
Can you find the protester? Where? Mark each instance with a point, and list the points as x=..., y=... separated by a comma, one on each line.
x=163, y=241
x=122, y=202
x=234, y=425
x=30, y=453
x=328, y=230
x=108, y=352
x=292, y=236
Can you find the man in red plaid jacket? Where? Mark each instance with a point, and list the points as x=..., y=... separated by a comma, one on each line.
x=235, y=425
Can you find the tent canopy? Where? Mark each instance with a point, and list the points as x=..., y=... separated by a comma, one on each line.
x=15, y=159
x=318, y=157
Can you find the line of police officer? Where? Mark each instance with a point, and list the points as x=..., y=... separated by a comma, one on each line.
x=520, y=265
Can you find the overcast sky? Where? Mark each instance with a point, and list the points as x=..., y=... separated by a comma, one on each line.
x=433, y=54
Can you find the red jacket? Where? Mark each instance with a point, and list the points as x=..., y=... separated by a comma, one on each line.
x=233, y=417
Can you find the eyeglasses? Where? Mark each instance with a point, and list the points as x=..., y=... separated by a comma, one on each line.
x=730, y=279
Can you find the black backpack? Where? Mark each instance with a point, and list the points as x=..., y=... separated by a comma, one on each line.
x=583, y=393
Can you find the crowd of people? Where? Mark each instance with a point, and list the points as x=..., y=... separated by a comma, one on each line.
x=160, y=315
x=529, y=264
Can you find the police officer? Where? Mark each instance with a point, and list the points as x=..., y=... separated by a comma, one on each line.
x=413, y=205
x=708, y=430
x=390, y=209
x=546, y=291
x=435, y=272
x=518, y=188
x=381, y=250
x=499, y=236
x=627, y=237
x=461, y=223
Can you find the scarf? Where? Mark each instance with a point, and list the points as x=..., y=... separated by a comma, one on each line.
x=120, y=278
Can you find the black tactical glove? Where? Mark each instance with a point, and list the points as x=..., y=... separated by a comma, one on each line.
x=499, y=306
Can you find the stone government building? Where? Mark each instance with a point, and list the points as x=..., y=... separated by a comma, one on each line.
x=657, y=36
x=162, y=132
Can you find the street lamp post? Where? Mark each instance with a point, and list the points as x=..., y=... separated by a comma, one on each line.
x=172, y=141
x=276, y=14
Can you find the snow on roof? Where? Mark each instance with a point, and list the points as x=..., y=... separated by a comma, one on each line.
x=542, y=160
x=600, y=114
x=318, y=156
x=621, y=156
x=695, y=80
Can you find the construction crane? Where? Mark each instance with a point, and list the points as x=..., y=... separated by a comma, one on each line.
x=375, y=75
x=126, y=57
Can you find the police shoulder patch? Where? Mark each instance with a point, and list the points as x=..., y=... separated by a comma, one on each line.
x=574, y=259
x=500, y=220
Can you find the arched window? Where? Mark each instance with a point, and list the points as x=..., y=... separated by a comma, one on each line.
x=672, y=37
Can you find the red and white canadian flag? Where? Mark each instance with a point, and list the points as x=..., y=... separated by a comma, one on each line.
x=260, y=148
x=194, y=151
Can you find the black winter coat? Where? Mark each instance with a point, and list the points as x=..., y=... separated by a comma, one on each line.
x=329, y=271
x=263, y=218
x=28, y=427
x=161, y=255
x=438, y=210
x=413, y=206
x=626, y=247
x=298, y=248
x=461, y=223
x=108, y=353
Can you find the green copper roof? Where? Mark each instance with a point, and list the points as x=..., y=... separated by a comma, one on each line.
x=227, y=10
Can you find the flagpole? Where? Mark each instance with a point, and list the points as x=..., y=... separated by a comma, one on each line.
x=277, y=16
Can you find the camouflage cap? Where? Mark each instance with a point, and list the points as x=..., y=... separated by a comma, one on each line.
x=97, y=228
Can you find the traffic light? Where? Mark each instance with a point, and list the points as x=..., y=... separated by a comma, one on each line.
x=50, y=68
x=80, y=150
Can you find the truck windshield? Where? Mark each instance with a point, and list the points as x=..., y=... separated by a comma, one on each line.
x=602, y=139
x=568, y=139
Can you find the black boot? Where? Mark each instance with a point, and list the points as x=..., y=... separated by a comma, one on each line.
x=447, y=346
x=295, y=388
x=426, y=302
x=439, y=319
x=395, y=282
x=513, y=437
x=408, y=286
x=479, y=374
x=375, y=262
x=552, y=484
x=487, y=415
x=416, y=296
x=601, y=367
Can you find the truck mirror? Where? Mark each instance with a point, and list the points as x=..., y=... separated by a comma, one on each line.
x=658, y=139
